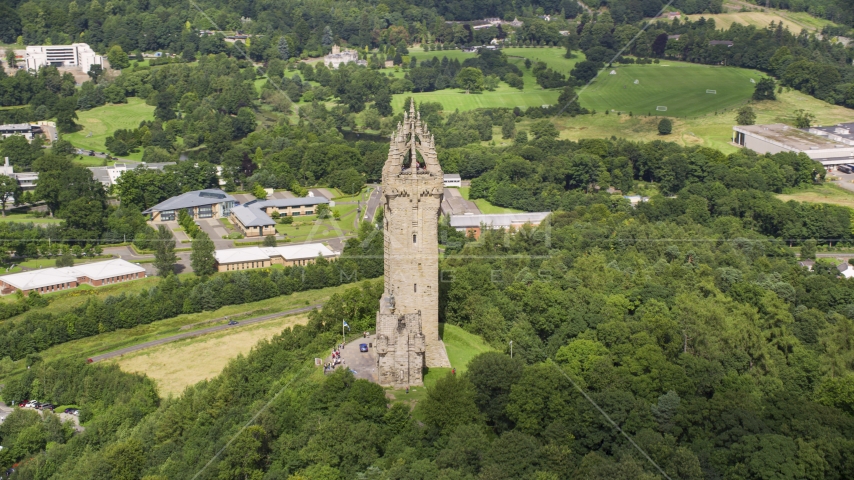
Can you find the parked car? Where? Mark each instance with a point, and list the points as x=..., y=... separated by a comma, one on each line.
x=363, y=347
x=23, y=403
x=31, y=404
x=48, y=406
x=233, y=322
x=844, y=168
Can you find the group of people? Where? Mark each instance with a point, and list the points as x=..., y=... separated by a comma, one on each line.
x=336, y=358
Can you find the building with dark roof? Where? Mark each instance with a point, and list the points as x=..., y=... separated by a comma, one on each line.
x=27, y=130
x=254, y=218
x=209, y=203
x=252, y=222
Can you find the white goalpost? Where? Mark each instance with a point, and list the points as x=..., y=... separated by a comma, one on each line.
x=661, y=109
x=712, y=91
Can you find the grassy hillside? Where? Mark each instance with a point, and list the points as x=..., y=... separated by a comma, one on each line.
x=504, y=96
x=711, y=130
x=174, y=366
x=824, y=193
x=101, y=122
x=679, y=86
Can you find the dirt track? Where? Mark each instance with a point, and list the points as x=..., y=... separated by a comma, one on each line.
x=196, y=333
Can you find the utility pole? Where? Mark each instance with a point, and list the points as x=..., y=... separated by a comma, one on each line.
x=511, y=348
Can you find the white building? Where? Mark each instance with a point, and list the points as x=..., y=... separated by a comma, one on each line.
x=453, y=180
x=74, y=55
x=26, y=180
x=233, y=259
x=829, y=145
x=108, y=175
x=340, y=57
x=47, y=280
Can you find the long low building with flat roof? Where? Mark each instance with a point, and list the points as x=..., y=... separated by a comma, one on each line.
x=233, y=259
x=47, y=280
x=474, y=224
x=833, y=145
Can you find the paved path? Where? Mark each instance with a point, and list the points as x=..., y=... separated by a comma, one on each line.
x=363, y=364
x=196, y=333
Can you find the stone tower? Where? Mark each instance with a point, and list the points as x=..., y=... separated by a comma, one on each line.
x=408, y=319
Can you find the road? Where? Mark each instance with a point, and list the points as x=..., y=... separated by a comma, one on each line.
x=196, y=333
x=373, y=203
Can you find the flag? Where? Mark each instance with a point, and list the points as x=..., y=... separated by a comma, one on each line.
x=345, y=324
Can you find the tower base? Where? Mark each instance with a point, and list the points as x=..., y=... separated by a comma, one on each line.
x=436, y=356
x=400, y=350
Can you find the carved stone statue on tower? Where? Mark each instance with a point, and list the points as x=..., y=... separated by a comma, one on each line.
x=408, y=319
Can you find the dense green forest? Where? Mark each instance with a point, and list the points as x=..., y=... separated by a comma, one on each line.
x=686, y=319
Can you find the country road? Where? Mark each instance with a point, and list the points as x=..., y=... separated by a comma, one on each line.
x=196, y=333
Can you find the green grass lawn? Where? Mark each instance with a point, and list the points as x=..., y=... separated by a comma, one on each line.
x=484, y=205
x=19, y=217
x=679, y=86
x=462, y=346
x=711, y=130
x=504, y=96
x=87, y=161
x=101, y=122
x=824, y=193
x=306, y=228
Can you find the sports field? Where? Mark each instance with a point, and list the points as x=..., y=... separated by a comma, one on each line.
x=678, y=86
x=101, y=122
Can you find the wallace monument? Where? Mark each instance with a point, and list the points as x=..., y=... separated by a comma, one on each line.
x=408, y=318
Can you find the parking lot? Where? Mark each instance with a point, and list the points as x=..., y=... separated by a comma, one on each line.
x=363, y=364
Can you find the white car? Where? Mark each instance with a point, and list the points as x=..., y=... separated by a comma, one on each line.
x=31, y=404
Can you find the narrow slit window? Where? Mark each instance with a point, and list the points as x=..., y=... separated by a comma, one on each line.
x=414, y=237
x=415, y=287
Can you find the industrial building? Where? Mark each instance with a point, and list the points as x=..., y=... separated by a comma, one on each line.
x=234, y=259
x=209, y=203
x=74, y=55
x=474, y=224
x=833, y=145
x=47, y=280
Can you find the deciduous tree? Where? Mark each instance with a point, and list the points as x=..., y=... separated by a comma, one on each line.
x=470, y=79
